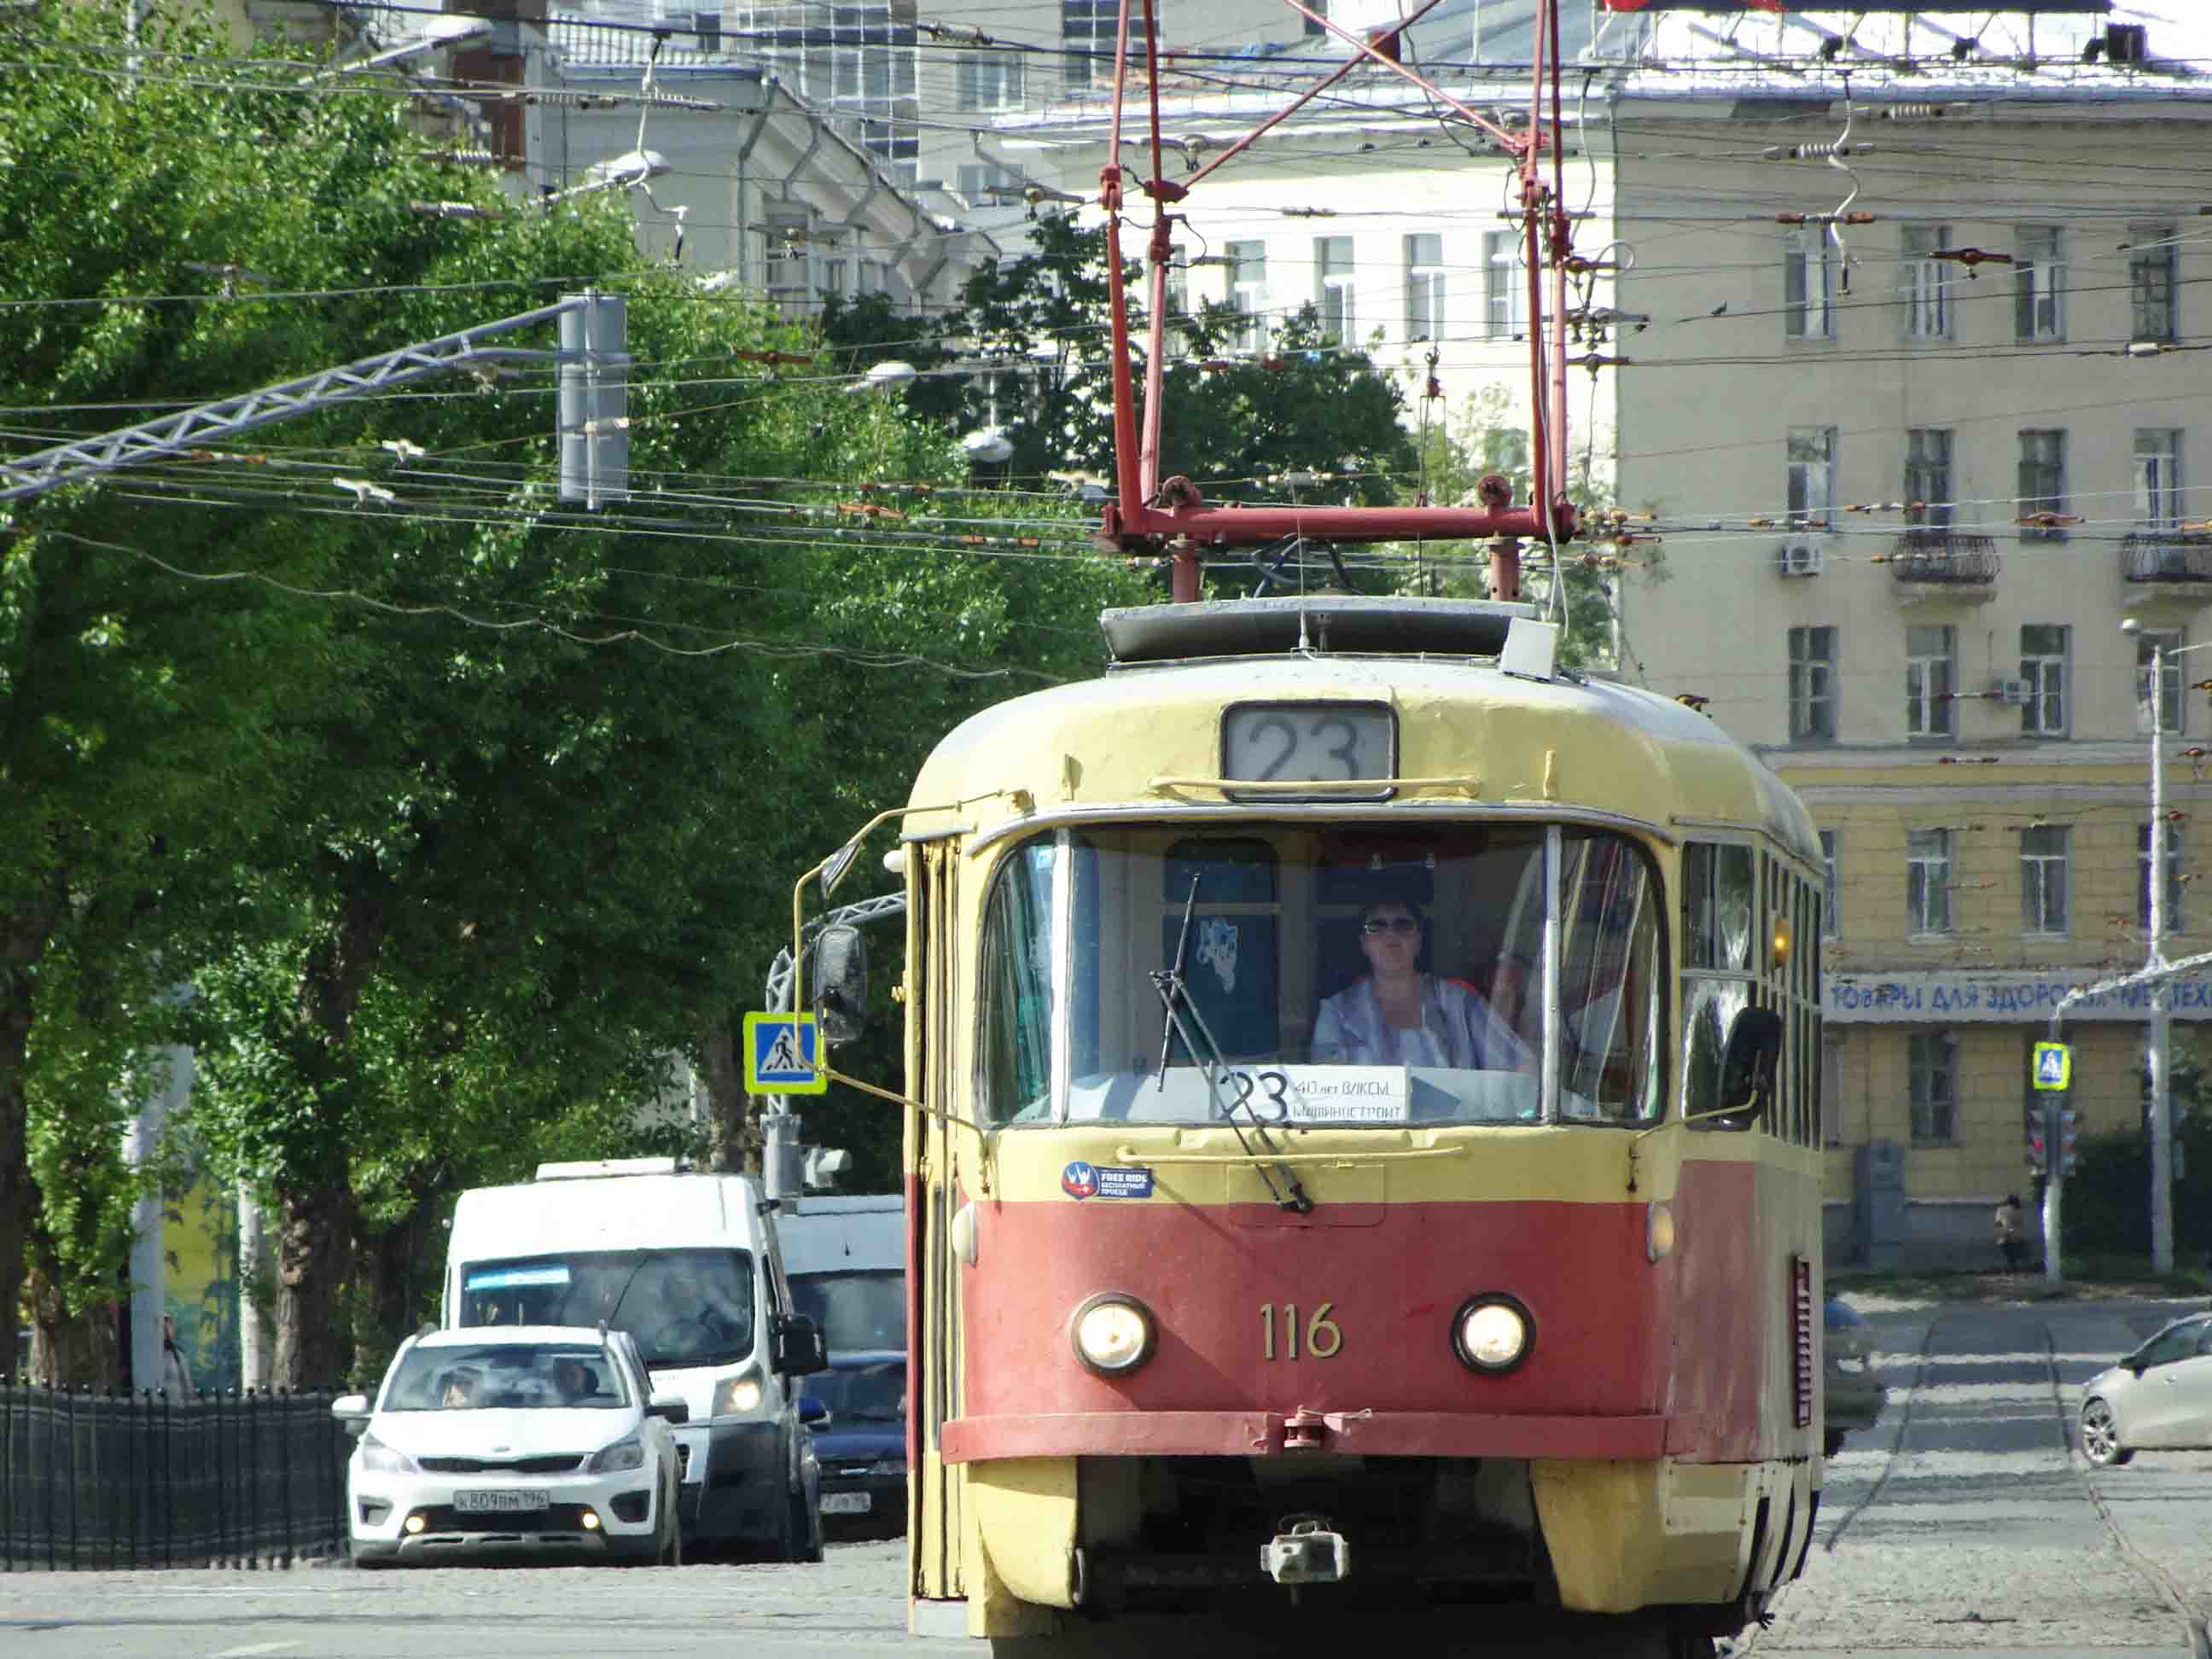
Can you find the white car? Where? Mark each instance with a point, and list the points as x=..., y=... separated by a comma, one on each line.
x=2161, y=1395
x=536, y=1439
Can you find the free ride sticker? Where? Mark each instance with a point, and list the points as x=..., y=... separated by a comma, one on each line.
x=1081, y=1180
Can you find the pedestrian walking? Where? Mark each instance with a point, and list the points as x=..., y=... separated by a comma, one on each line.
x=2009, y=1238
x=176, y=1375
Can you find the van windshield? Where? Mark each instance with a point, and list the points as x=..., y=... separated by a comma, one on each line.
x=684, y=1307
x=858, y=1312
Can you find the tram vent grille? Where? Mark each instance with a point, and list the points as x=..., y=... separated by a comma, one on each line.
x=1802, y=1356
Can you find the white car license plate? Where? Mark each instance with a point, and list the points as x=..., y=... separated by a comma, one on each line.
x=848, y=1503
x=519, y=1500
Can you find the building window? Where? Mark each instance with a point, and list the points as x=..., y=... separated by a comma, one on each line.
x=2038, y=278
x=987, y=80
x=707, y=30
x=1332, y=288
x=1313, y=25
x=1812, y=477
x=2043, y=649
x=2172, y=917
x=1087, y=33
x=1809, y=285
x=1424, y=286
x=1811, y=685
x=1927, y=282
x=2042, y=482
x=2172, y=707
x=1928, y=881
x=1248, y=293
x=1932, y=1065
x=1928, y=476
x=2158, y=478
x=1928, y=681
x=2042, y=880
x=985, y=182
x=1828, y=927
x=833, y=275
x=1504, y=286
x=2150, y=282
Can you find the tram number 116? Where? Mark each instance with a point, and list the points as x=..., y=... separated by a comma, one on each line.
x=1324, y=1336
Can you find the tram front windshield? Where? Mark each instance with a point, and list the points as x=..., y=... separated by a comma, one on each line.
x=1341, y=976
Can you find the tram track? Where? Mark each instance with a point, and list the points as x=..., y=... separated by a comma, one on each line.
x=2169, y=1589
x=1896, y=1441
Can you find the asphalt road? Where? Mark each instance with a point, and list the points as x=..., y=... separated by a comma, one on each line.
x=1964, y=1523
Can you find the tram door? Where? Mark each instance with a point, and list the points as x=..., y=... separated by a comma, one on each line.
x=934, y=1384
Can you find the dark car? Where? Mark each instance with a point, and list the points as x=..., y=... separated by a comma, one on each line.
x=1855, y=1386
x=862, y=1447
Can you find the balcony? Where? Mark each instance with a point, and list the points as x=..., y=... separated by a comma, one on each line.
x=2166, y=564
x=1943, y=565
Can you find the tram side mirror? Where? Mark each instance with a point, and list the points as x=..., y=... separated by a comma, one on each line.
x=798, y=1349
x=841, y=983
x=1749, y=1067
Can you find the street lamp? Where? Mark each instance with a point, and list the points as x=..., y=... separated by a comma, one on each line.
x=2161, y=1082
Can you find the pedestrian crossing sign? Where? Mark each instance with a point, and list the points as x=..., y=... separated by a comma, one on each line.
x=780, y=1055
x=2054, y=1065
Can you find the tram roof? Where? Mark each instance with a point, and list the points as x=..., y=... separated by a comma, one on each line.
x=1569, y=741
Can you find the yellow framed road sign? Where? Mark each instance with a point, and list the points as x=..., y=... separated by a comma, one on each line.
x=781, y=1053
x=2053, y=1066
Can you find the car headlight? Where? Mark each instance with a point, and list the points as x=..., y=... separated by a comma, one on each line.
x=1112, y=1334
x=889, y=1468
x=377, y=1458
x=736, y=1394
x=1492, y=1333
x=622, y=1455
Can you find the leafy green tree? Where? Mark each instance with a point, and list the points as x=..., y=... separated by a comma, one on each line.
x=1485, y=437
x=458, y=807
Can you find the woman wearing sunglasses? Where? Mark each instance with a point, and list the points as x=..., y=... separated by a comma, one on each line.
x=1399, y=1015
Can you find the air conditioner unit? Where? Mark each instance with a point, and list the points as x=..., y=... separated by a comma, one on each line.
x=2017, y=693
x=1798, y=556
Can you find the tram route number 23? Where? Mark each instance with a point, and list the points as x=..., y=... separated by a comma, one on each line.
x=1279, y=1331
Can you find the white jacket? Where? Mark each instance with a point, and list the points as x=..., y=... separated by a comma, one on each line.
x=1465, y=1032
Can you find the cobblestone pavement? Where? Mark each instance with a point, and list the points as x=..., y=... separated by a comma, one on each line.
x=1966, y=1520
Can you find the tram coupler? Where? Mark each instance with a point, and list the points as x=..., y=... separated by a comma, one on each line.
x=1306, y=1552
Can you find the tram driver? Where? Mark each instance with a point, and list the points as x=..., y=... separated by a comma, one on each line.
x=1398, y=1015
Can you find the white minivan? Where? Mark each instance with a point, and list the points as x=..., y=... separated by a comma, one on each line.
x=689, y=1264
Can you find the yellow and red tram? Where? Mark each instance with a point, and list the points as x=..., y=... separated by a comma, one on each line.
x=1237, y=1273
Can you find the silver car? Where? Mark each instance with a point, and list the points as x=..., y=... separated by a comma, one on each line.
x=2159, y=1395
x=1855, y=1390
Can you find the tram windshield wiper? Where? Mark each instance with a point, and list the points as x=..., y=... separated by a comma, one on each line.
x=1174, y=990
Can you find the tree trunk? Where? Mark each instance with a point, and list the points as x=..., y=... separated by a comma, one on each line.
x=314, y=1241
x=314, y=1190
x=397, y=1272
x=79, y=1351
x=24, y=936
x=728, y=1117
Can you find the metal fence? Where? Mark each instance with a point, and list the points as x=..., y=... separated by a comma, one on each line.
x=98, y=1482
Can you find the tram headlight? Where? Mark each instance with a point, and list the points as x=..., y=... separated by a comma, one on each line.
x=1658, y=1231
x=1492, y=1333
x=1112, y=1334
